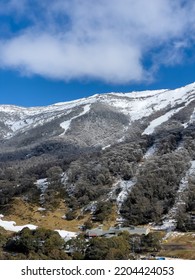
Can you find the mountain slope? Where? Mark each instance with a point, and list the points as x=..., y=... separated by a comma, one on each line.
x=122, y=152
x=99, y=112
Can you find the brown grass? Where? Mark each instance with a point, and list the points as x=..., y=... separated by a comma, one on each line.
x=181, y=246
x=25, y=213
x=111, y=220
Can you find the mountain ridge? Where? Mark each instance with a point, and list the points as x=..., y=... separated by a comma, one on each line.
x=127, y=152
x=134, y=105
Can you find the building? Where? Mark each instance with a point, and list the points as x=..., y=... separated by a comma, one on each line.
x=114, y=231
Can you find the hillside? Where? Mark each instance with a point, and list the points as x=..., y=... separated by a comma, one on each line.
x=127, y=157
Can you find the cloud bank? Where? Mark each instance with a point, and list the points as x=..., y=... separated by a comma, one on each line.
x=105, y=40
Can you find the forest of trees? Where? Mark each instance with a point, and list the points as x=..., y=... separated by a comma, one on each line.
x=45, y=244
x=91, y=174
x=186, y=212
x=155, y=190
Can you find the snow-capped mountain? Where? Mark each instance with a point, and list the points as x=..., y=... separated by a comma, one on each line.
x=97, y=120
x=136, y=150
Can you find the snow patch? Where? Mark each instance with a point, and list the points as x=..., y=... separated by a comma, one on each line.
x=42, y=184
x=192, y=168
x=66, y=124
x=91, y=207
x=41, y=209
x=157, y=122
x=126, y=187
x=11, y=225
x=66, y=235
x=150, y=152
x=106, y=147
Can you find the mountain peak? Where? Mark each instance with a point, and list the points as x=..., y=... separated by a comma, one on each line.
x=133, y=106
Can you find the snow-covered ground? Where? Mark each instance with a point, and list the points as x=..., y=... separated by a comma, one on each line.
x=21, y=118
x=156, y=122
x=136, y=105
x=143, y=104
x=11, y=225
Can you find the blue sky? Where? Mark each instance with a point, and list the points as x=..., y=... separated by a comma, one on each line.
x=53, y=51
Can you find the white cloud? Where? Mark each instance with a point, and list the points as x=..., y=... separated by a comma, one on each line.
x=100, y=39
x=57, y=58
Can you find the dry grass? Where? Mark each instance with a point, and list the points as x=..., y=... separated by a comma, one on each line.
x=181, y=254
x=180, y=246
x=25, y=213
x=111, y=220
x=5, y=232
